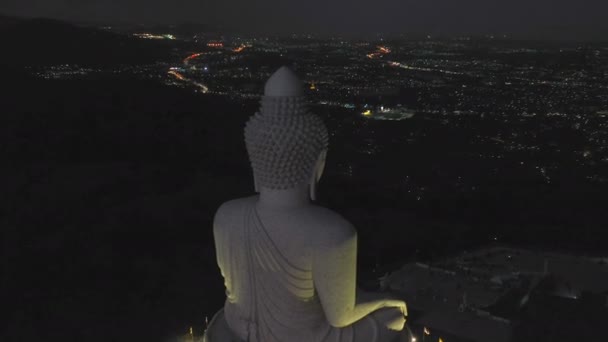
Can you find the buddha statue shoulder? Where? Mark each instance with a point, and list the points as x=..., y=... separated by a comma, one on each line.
x=289, y=266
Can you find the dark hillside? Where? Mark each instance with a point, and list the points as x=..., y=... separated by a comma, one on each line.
x=40, y=42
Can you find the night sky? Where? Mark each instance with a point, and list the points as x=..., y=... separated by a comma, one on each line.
x=535, y=18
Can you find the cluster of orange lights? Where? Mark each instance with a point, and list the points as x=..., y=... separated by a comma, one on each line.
x=239, y=49
x=215, y=44
x=384, y=49
x=193, y=56
x=380, y=50
x=177, y=75
x=154, y=36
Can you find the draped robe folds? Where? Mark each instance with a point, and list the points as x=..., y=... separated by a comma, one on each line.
x=268, y=299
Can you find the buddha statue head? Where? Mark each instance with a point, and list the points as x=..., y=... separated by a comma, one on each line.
x=285, y=142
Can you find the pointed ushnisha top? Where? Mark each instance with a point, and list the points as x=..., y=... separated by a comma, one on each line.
x=283, y=139
x=284, y=83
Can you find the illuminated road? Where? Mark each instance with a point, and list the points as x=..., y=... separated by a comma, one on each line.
x=204, y=89
x=191, y=57
x=173, y=72
x=177, y=75
x=187, y=60
x=240, y=49
x=382, y=51
x=408, y=67
x=186, y=63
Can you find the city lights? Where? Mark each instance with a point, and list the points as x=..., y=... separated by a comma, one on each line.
x=214, y=44
x=473, y=164
x=154, y=36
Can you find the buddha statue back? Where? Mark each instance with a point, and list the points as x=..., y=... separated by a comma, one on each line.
x=289, y=266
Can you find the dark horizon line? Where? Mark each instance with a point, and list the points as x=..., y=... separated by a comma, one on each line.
x=413, y=34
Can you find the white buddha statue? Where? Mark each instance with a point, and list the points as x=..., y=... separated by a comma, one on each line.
x=289, y=266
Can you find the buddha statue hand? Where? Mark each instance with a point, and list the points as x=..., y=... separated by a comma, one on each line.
x=396, y=303
x=395, y=319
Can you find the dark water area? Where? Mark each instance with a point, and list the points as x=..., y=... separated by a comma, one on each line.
x=109, y=188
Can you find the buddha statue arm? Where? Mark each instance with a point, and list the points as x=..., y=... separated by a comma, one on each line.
x=220, y=242
x=335, y=275
x=218, y=254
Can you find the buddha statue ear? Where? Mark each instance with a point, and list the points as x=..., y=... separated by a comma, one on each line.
x=317, y=172
x=313, y=187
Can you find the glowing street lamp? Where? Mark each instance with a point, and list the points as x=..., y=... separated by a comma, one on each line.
x=425, y=332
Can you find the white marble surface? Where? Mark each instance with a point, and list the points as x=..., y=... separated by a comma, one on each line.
x=289, y=266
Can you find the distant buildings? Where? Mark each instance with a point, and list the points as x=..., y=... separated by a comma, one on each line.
x=387, y=113
x=215, y=44
x=517, y=112
x=481, y=296
x=154, y=36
